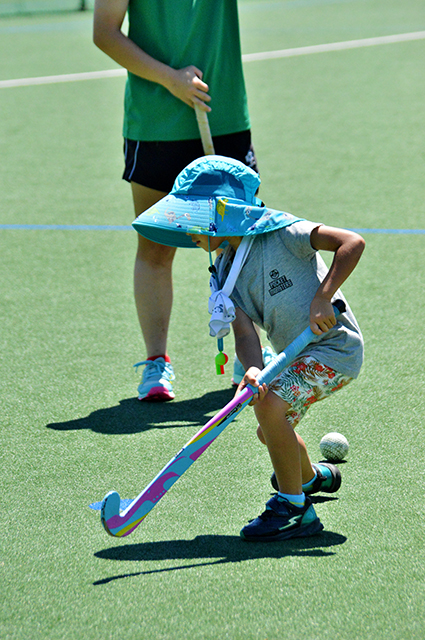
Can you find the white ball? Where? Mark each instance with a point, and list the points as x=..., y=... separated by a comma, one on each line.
x=334, y=446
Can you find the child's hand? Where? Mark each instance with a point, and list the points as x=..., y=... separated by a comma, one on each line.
x=250, y=378
x=187, y=85
x=322, y=316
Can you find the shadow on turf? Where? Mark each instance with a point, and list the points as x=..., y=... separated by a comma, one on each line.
x=217, y=549
x=132, y=416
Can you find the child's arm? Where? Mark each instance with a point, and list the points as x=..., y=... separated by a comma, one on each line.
x=185, y=84
x=347, y=247
x=248, y=350
x=247, y=342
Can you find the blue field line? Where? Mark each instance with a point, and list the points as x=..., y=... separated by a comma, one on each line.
x=390, y=231
x=68, y=227
x=44, y=27
x=119, y=227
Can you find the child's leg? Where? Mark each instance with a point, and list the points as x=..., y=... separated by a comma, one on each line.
x=282, y=443
x=288, y=514
x=303, y=383
x=307, y=471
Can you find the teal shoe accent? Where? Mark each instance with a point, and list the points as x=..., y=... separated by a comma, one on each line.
x=328, y=479
x=282, y=520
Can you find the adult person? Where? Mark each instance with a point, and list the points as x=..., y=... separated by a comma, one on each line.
x=178, y=55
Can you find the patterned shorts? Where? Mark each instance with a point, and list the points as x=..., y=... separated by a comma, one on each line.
x=304, y=382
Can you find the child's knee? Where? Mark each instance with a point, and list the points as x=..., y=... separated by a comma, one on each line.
x=260, y=435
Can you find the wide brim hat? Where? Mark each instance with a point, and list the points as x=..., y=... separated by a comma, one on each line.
x=213, y=196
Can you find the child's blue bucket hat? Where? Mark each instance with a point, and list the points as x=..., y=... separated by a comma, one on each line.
x=212, y=196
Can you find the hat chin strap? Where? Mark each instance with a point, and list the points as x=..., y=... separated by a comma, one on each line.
x=220, y=306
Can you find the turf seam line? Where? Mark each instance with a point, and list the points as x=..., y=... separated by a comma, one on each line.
x=247, y=57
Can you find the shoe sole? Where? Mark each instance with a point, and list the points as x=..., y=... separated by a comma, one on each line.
x=312, y=529
x=157, y=394
x=336, y=478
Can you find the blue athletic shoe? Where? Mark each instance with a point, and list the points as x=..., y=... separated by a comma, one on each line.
x=268, y=355
x=282, y=520
x=239, y=371
x=156, y=381
x=328, y=479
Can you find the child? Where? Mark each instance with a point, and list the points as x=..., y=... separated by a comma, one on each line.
x=279, y=282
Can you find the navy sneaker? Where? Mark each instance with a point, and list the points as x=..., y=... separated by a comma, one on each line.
x=328, y=479
x=282, y=520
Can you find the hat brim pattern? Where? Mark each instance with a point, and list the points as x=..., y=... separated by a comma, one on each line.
x=169, y=220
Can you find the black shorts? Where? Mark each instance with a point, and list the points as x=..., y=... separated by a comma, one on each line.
x=157, y=164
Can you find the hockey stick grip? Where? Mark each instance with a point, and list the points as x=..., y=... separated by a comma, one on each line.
x=292, y=350
x=204, y=130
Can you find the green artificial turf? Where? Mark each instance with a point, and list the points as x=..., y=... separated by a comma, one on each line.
x=72, y=430
x=339, y=138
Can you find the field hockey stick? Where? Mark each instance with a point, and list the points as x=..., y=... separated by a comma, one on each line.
x=208, y=146
x=123, y=524
x=204, y=130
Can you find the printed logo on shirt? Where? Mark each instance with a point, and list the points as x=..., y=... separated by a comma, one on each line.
x=278, y=283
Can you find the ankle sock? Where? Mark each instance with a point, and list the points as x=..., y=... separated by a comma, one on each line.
x=308, y=484
x=166, y=358
x=297, y=500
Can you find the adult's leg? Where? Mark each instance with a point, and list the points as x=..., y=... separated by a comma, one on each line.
x=153, y=289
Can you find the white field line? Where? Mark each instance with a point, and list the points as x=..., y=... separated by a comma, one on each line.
x=69, y=77
x=333, y=46
x=247, y=57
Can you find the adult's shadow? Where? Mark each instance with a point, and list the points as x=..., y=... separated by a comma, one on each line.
x=214, y=550
x=133, y=416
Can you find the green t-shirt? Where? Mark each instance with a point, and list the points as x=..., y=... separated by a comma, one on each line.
x=204, y=33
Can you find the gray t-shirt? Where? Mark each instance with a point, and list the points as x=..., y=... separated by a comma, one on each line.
x=275, y=288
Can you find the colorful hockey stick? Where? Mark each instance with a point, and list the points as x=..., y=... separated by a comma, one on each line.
x=123, y=524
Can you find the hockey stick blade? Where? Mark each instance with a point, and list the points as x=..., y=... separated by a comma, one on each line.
x=122, y=524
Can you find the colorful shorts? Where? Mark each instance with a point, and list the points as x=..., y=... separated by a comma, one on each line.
x=305, y=382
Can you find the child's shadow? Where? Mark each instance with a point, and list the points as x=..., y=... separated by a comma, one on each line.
x=133, y=416
x=215, y=549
